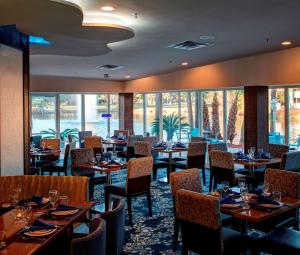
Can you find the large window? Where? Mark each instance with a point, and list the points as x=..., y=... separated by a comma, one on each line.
x=138, y=114
x=70, y=111
x=114, y=111
x=188, y=120
x=294, y=117
x=152, y=113
x=43, y=114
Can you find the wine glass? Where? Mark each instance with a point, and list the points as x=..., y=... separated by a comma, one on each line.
x=242, y=182
x=15, y=196
x=98, y=158
x=245, y=197
x=2, y=239
x=266, y=189
x=225, y=186
x=27, y=214
x=276, y=195
x=53, y=197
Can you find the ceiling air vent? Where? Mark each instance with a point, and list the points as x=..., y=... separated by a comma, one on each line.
x=189, y=45
x=109, y=67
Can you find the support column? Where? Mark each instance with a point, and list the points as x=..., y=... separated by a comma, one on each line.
x=126, y=111
x=256, y=117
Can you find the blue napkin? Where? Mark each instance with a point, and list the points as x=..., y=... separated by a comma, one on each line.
x=265, y=200
x=39, y=225
x=62, y=207
x=264, y=156
x=241, y=156
x=160, y=145
x=227, y=200
x=37, y=199
x=179, y=145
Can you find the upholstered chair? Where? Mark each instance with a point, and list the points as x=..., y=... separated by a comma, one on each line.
x=290, y=161
x=282, y=240
x=130, y=145
x=95, y=142
x=92, y=244
x=115, y=227
x=188, y=180
x=276, y=151
x=195, y=158
x=197, y=139
x=222, y=168
x=152, y=140
x=137, y=183
x=84, y=156
x=82, y=135
x=201, y=225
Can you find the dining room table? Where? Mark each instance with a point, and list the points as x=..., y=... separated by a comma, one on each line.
x=170, y=152
x=252, y=164
x=39, y=154
x=18, y=243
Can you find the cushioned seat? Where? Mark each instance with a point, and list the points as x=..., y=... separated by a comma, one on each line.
x=118, y=188
x=280, y=241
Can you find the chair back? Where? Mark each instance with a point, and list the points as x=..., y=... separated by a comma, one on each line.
x=196, y=139
x=115, y=228
x=75, y=187
x=82, y=135
x=142, y=149
x=53, y=142
x=121, y=133
x=93, y=142
x=277, y=150
x=217, y=147
x=290, y=161
x=81, y=156
x=188, y=179
x=288, y=183
x=92, y=244
x=66, y=155
x=222, y=167
x=152, y=140
x=139, y=174
x=201, y=224
x=36, y=139
x=196, y=155
x=132, y=139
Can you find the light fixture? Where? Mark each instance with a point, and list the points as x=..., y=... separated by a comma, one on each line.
x=184, y=63
x=38, y=40
x=107, y=8
x=207, y=37
x=127, y=76
x=286, y=43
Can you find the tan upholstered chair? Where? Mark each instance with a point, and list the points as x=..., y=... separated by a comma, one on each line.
x=142, y=149
x=188, y=180
x=84, y=156
x=277, y=150
x=290, y=161
x=222, y=168
x=54, y=143
x=137, y=183
x=75, y=187
x=130, y=145
x=93, y=142
x=201, y=225
x=195, y=158
x=152, y=140
x=196, y=139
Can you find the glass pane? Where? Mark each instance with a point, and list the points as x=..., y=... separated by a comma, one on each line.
x=152, y=113
x=294, y=111
x=70, y=112
x=276, y=116
x=43, y=115
x=213, y=114
x=138, y=114
x=235, y=119
x=171, y=119
x=95, y=106
x=188, y=120
x=114, y=110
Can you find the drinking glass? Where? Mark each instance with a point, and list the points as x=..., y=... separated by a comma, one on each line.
x=19, y=213
x=93, y=161
x=266, y=189
x=98, y=158
x=2, y=239
x=64, y=200
x=225, y=186
x=242, y=182
x=15, y=196
x=53, y=197
x=276, y=195
x=246, y=198
x=27, y=214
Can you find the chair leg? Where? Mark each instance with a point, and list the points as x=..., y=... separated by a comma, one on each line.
x=154, y=173
x=107, y=198
x=149, y=203
x=129, y=210
x=91, y=190
x=176, y=232
x=210, y=182
x=203, y=176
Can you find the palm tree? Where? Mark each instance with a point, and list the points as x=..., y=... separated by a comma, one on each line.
x=170, y=125
x=51, y=133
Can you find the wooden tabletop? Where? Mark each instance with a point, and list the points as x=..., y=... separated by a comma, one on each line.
x=169, y=151
x=257, y=163
x=258, y=215
x=120, y=142
x=44, y=153
x=17, y=246
x=103, y=169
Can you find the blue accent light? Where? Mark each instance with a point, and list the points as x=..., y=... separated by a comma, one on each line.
x=38, y=40
x=106, y=115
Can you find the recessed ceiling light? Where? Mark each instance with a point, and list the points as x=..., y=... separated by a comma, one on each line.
x=127, y=76
x=285, y=43
x=184, y=63
x=107, y=8
x=207, y=37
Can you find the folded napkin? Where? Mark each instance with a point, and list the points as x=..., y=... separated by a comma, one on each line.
x=265, y=200
x=62, y=207
x=227, y=200
x=39, y=225
x=241, y=156
x=160, y=145
x=37, y=199
x=264, y=156
x=179, y=145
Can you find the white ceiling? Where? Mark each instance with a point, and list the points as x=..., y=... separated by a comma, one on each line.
x=240, y=27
